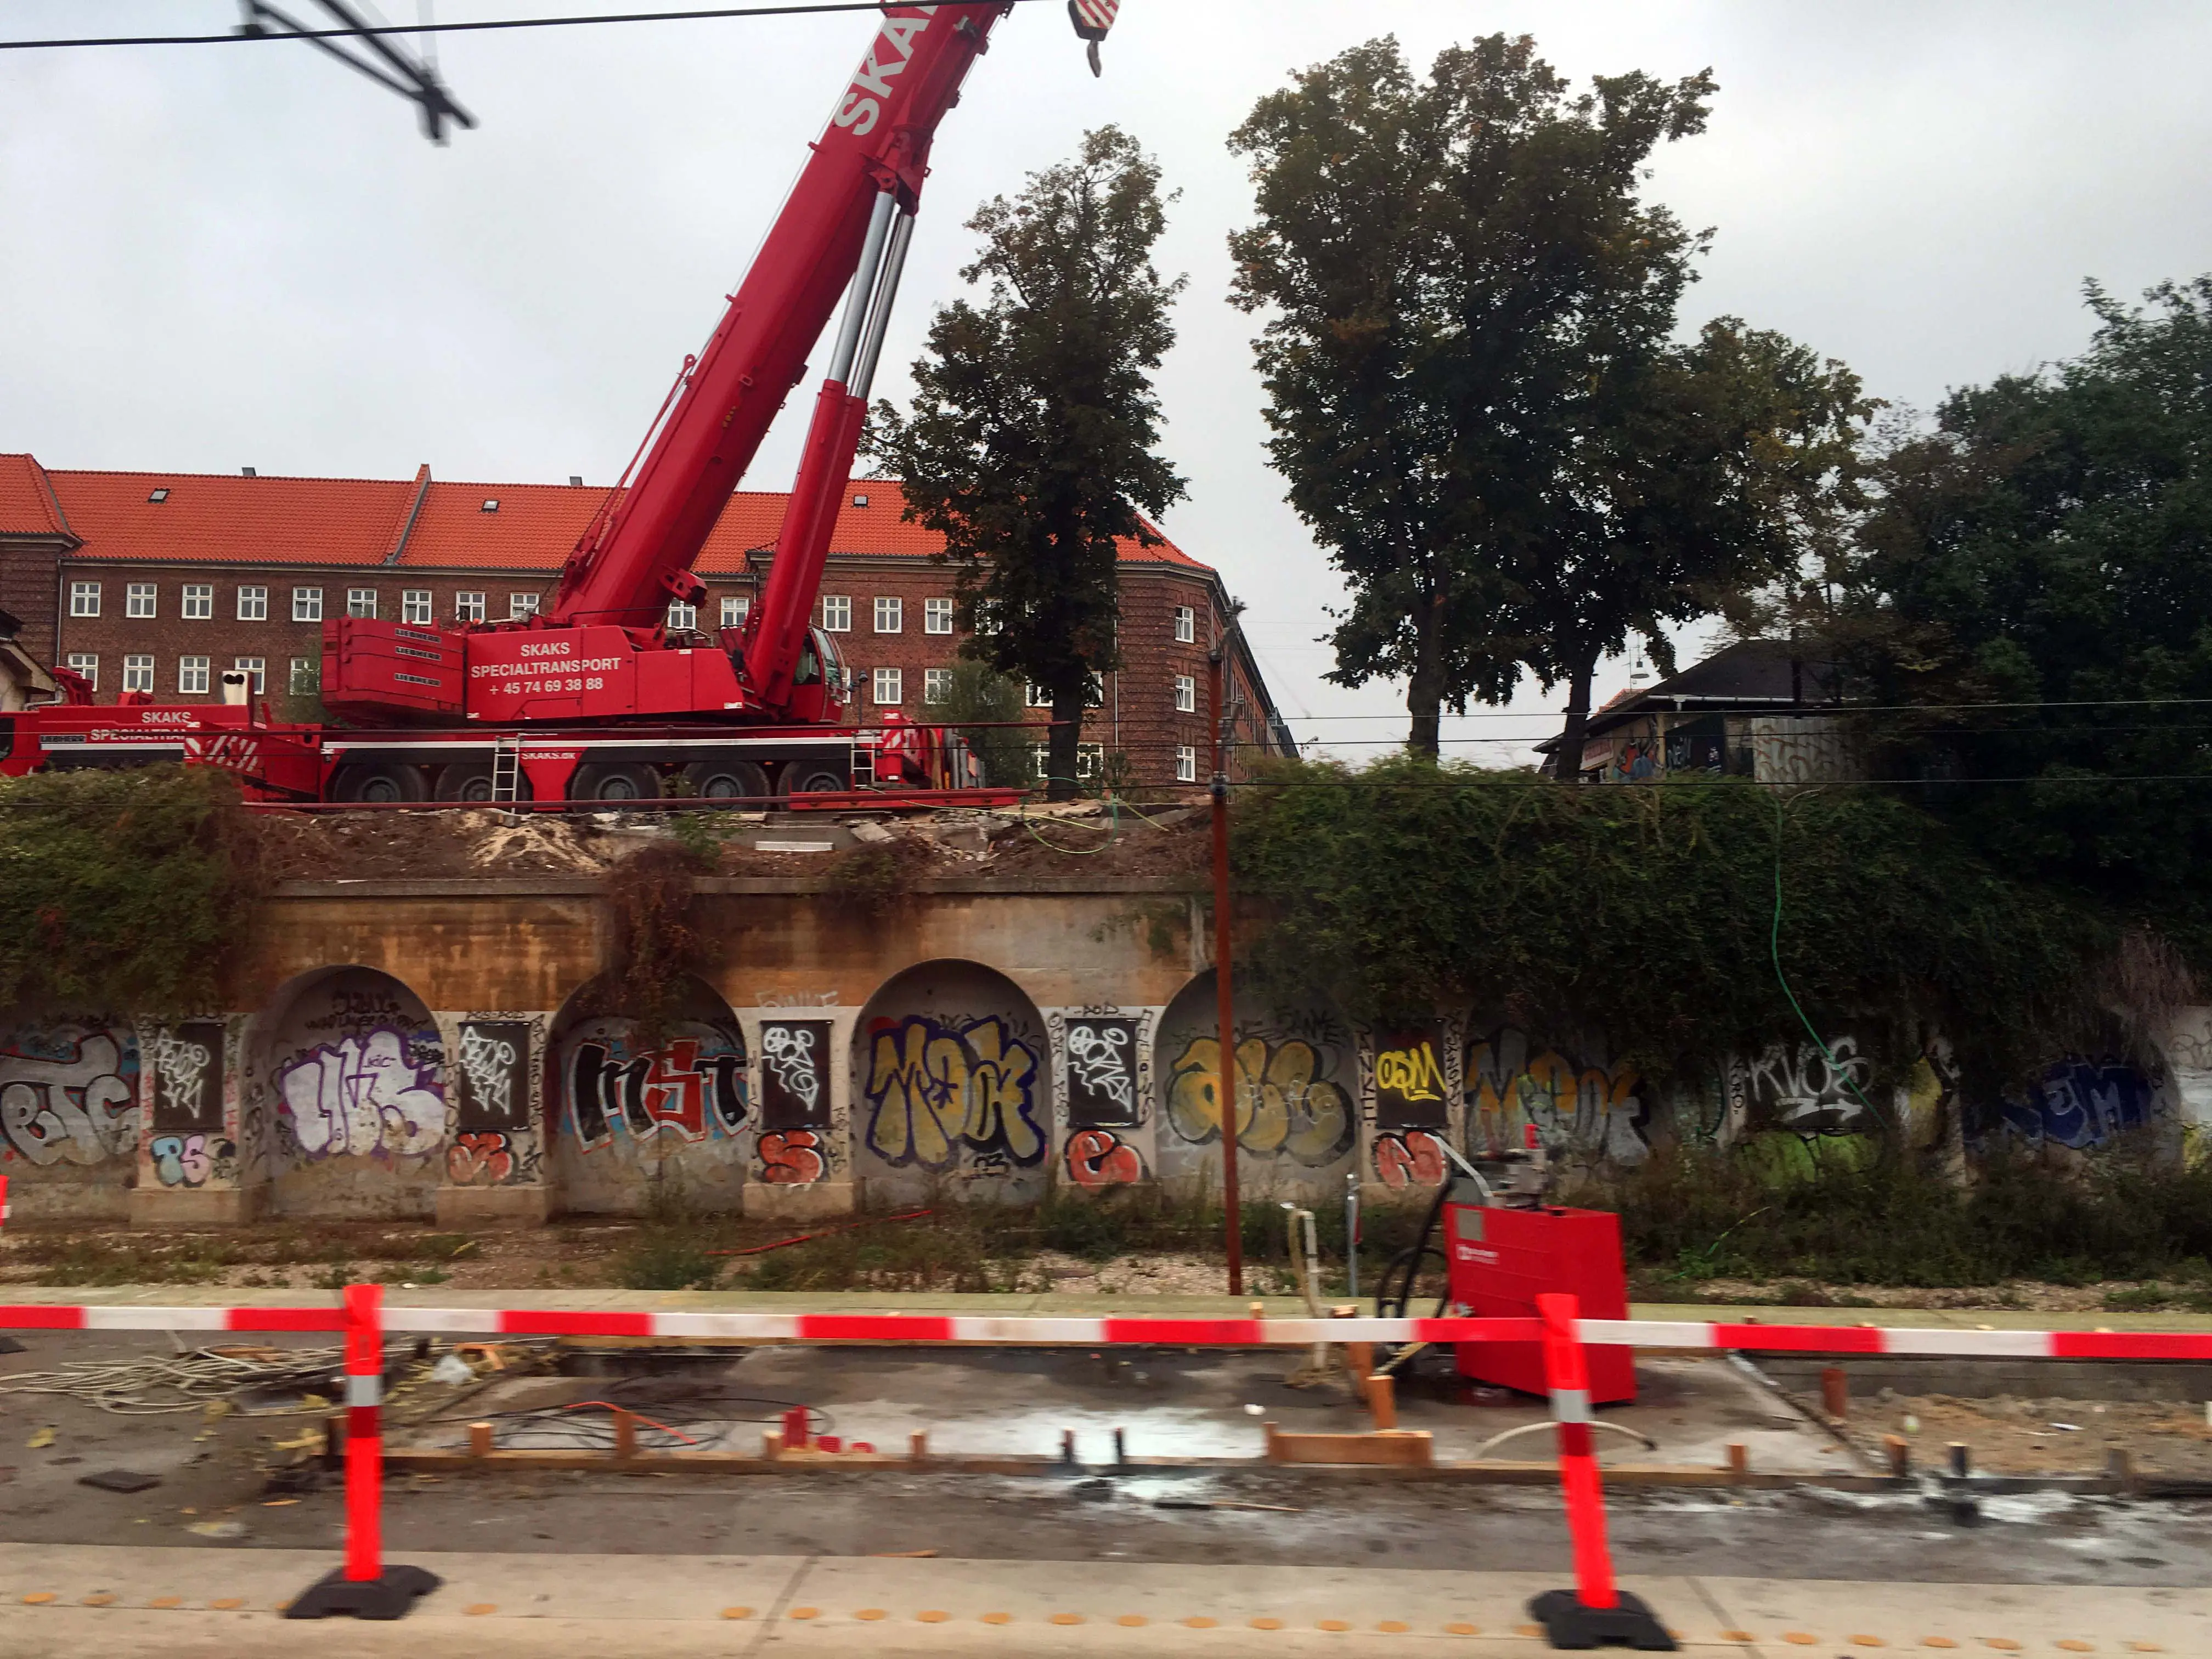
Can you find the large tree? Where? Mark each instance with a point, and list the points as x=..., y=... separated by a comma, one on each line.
x=1032, y=443
x=2037, y=579
x=1475, y=392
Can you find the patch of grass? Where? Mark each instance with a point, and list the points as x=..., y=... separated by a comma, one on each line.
x=96, y=1262
x=2138, y=1298
x=1896, y=1221
x=666, y=1258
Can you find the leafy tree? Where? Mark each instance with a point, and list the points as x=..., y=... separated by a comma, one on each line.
x=2046, y=548
x=1473, y=388
x=1031, y=444
x=984, y=705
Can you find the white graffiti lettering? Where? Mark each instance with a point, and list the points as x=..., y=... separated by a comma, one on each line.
x=180, y=1071
x=81, y=1109
x=363, y=1095
x=1100, y=1056
x=489, y=1063
x=788, y=1050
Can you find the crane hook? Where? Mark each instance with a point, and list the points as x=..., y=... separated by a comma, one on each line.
x=1092, y=20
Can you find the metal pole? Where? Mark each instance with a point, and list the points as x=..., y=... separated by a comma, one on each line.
x=1352, y=1234
x=1225, y=1089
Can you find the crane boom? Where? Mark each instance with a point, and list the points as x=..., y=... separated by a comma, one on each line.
x=877, y=144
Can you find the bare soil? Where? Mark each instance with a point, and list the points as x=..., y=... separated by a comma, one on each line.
x=2011, y=1436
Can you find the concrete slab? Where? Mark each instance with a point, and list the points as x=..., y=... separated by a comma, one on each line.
x=95, y=1603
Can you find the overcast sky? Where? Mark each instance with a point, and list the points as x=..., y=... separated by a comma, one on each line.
x=224, y=256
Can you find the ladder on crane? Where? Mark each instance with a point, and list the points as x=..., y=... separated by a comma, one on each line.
x=506, y=772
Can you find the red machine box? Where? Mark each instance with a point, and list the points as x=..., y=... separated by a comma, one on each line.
x=1501, y=1261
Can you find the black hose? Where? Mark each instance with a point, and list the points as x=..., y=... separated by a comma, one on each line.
x=1404, y=1267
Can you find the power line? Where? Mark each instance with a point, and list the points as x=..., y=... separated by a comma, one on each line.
x=1790, y=708
x=366, y=31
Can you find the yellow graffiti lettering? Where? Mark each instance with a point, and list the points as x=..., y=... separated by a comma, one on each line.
x=1281, y=1106
x=932, y=1090
x=1410, y=1073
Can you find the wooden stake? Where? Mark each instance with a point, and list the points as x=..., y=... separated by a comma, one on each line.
x=1738, y=1459
x=625, y=1435
x=480, y=1440
x=1382, y=1401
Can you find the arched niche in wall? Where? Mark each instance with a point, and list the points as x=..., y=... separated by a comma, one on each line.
x=69, y=1112
x=952, y=1088
x=346, y=1099
x=1298, y=1071
x=640, y=1119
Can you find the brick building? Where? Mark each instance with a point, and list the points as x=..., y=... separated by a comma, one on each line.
x=161, y=582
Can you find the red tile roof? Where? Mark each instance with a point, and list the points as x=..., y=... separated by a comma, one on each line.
x=26, y=506
x=217, y=518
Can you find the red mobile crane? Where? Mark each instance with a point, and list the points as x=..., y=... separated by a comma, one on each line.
x=596, y=698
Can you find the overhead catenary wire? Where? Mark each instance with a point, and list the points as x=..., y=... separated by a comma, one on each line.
x=708, y=15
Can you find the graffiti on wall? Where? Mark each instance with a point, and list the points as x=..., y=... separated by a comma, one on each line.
x=376, y=1092
x=686, y=1090
x=1409, y=1157
x=1582, y=1109
x=492, y=1075
x=69, y=1093
x=795, y=1073
x=940, y=1087
x=1098, y=1158
x=188, y=1076
x=1794, y=1086
x=1411, y=1091
x=794, y=1157
x=1285, y=1103
x=491, y=1157
x=2083, y=1103
x=1101, y=1072
x=192, y=1161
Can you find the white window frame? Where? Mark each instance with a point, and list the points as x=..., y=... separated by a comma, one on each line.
x=1185, y=694
x=361, y=602
x=468, y=607
x=192, y=675
x=305, y=675
x=307, y=604
x=1036, y=697
x=418, y=607
x=1185, y=764
x=890, y=614
x=681, y=618
x=1185, y=624
x=519, y=605
x=197, y=603
x=87, y=664
x=141, y=600
x=736, y=607
x=937, y=616
x=936, y=685
x=138, y=673
x=836, y=613
x=887, y=688
x=1090, y=759
x=256, y=670
x=84, y=599
x=254, y=604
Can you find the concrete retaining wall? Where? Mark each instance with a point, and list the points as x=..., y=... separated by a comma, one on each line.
x=447, y=1051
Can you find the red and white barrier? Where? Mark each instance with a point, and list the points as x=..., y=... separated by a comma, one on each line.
x=930, y=1329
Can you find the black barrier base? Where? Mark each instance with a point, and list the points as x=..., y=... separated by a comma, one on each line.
x=391, y=1597
x=1568, y=1624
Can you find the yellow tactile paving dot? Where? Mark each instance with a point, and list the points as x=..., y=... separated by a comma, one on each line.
x=1132, y=1621
x=1199, y=1623
x=1938, y=1642
x=1067, y=1618
x=2001, y=1644
x=736, y=1612
x=227, y=1603
x=39, y=1598
x=1462, y=1629
x=1394, y=1627
x=481, y=1609
x=1801, y=1638
x=806, y=1613
x=998, y=1618
x=1737, y=1635
x=2072, y=1645
x=1868, y=1642
x=932, y=1615
x=166, y=1601
x=1333, y=1624
x=871, y=1613
x=1267, y=1624
x=99, y=1601
x=2145, y=1647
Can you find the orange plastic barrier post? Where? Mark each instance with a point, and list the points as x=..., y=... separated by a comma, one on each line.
x=364, y=1588
x=1596, y=1612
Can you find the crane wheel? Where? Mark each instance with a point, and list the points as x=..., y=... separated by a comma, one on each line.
x=614, y=782
x=378, y=783
x=472, y=780
x=816, y=777
x=730, y=780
